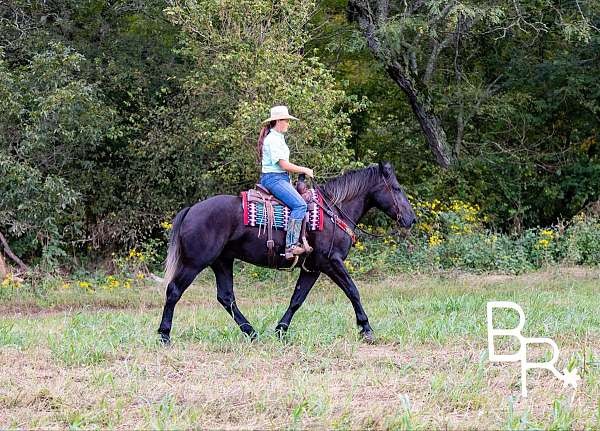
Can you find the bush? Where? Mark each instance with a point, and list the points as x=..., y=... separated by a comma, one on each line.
x=453, y=236
x=581, y=241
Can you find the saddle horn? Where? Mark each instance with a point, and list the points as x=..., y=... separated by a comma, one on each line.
x=301, y=186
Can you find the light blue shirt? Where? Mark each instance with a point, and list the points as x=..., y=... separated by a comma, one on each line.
x=274, y=149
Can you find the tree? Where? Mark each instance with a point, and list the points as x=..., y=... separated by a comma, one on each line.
x=49, y=122
x=412, y=38
x=249, y=56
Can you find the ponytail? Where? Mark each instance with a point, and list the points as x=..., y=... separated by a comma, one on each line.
x=264, y=131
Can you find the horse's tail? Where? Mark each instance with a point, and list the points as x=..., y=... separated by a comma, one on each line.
x=173, y=255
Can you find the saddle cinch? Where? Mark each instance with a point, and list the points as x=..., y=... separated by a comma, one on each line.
x=262, y=195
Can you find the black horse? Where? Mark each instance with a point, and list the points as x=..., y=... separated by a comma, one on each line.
x=212, y=233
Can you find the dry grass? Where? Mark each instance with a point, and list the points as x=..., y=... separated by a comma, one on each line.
x=101, y=368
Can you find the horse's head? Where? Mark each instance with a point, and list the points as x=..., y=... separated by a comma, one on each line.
x=389, y=197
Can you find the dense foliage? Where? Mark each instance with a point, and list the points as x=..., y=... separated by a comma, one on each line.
x=117, y=113
x=514, y=85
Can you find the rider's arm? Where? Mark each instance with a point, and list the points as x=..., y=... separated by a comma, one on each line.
x=290, y=167
x=281, y=153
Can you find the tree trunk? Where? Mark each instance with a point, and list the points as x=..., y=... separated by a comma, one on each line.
x=429, y=122
x=10, y=254
x=3, y=270
x=419, y=100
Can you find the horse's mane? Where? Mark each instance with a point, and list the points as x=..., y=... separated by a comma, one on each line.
x=351, y=183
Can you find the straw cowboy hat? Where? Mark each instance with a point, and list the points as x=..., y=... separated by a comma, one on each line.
x=279, y=113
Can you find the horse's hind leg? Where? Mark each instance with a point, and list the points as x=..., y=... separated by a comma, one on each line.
x=175, y=289
x=223, y=268
x=305, y=283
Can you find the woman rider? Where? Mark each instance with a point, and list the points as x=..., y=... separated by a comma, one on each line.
x=274, y=155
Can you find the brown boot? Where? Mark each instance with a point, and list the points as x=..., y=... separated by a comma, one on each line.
x=292, y=247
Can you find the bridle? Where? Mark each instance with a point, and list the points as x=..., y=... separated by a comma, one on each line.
x=328, y=201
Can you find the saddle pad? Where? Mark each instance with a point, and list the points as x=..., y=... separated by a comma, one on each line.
x=255, y=215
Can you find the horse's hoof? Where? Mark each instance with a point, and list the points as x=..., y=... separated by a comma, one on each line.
x=281, y=332
x=368, y=337
x=165, y=339
x=252, y=336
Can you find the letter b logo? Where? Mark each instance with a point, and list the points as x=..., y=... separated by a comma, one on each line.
x=568, y=377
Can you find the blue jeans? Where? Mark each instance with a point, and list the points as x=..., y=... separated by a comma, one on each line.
x=279, y=184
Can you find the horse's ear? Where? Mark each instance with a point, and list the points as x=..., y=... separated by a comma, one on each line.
x=385, y=168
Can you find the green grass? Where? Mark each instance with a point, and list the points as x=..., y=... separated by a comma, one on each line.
x=82, y=360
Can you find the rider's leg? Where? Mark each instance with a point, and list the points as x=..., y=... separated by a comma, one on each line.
x=293, y=234
x=283, y=190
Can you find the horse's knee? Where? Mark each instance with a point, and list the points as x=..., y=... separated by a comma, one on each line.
x=225, y=299
x=173, y=293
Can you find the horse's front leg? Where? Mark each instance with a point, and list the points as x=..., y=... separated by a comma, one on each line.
x=339, y=274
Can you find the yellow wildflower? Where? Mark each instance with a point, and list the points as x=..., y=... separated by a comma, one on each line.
x=349, y=266
x=491, y=239
x=544, y=242
x=84, y=284
x=425, y=227
x=435, y=239
x=546, y=238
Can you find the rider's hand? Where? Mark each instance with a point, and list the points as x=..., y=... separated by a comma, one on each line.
x=309, y=172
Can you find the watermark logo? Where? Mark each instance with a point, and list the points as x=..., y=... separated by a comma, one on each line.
x=567, y=377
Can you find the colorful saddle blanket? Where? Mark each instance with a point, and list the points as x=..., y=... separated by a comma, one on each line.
x=255, y=213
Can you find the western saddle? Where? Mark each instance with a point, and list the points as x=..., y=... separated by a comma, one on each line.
x=261, y=194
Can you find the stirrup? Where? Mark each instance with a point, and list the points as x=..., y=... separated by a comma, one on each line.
x=307, y=248
x=293, y=251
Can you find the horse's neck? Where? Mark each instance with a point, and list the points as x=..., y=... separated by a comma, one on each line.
x=355, y=209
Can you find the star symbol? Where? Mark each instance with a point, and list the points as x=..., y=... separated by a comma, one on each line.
x=570, y=377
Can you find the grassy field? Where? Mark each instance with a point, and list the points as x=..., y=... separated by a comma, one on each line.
x=91, y=360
